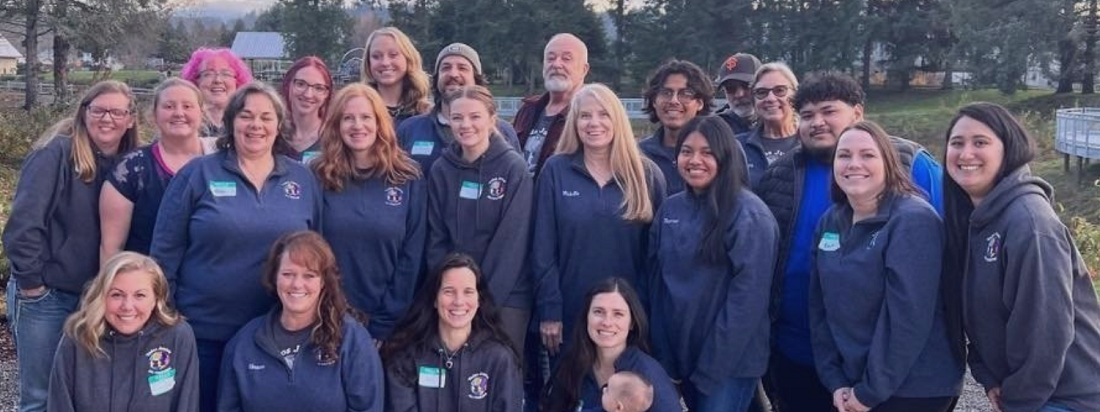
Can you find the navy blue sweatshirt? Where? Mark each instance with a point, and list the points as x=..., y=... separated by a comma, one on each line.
x=153, y=370
x=377, y=232
x=665, y=158
x=581, y=238
x=214, y=231
x=52, y=234
x=305, y=156
x=1030, y=311
x=425, y=138
x=665, y=396
x=481, y=376
x=255, y=377
x=710, y=322
x=483, y=209
x=876, y=317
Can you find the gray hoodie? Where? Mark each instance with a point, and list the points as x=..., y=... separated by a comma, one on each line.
x=1029, y=308
x=155, y=369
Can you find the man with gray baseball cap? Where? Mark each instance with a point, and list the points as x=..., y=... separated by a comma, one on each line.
x=424, y=136
x=734, y=79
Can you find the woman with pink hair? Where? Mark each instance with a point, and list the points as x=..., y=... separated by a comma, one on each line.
x=218, y=73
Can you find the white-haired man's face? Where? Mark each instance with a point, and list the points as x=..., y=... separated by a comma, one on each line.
x=564, y=64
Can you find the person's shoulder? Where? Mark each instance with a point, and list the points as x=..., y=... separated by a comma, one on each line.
x=246, y=334
x=556, y=162
x=914, y=206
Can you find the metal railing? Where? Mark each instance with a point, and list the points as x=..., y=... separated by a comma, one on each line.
x=1077, y=134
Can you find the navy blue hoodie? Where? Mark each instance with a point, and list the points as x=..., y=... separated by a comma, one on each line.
x=52, y=234
x=255, y=377
x=665, y=396
x=425, y=138
x=214, y=231
x=377, y=232
x=483, y=209
x=1030, y=311
x=581, y=238
x=482, y=376
x=710, y=322
x=665, y=159
x=153, y=370
x=877, y=320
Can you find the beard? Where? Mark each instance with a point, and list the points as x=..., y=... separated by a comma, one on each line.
x=742, y=109
x=558, y=84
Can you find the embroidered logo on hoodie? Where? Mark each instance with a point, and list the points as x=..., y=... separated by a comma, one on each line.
x=394, y=196
x=497, y=188
x=162, y=376
x=992, y=247
x=292, y=190
x=479, y=385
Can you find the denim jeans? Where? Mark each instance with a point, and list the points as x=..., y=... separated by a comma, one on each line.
x=210, y=364
x=36, y=325
x=733, y=395
x=1054, y=407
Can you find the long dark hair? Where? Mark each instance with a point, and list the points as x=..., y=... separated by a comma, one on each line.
x=418, y=330
x=309, y=249
x=1019, y=149
x=565, y=388
x=896, y=177
x=720, y=199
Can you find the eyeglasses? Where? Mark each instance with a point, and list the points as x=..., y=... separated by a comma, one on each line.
x=301, y=86
x=214, y=74
x=683, y=95
x=761, y=93
x=99, y=112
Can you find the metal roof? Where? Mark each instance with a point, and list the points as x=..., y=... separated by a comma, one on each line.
x=259, y=45
x=7, y=50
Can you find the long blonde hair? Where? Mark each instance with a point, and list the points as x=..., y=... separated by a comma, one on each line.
x=626, y=162
x=416, y=86
x=336, y=165
x=76, y=127
x=88, y=324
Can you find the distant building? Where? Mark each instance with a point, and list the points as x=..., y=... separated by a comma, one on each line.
x=263, y=51
x=9, y=57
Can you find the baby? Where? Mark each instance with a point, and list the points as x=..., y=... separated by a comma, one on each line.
x=627, y=392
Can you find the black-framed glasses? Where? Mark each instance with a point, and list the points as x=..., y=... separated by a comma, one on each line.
x=761, y=93
x=683, y=95
x=99, y=112
x=302, y=85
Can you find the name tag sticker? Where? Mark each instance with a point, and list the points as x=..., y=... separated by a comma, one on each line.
x=432, y=377
x=162, y=382
x=470, y=190
x=223, y=189
x=421, y=148
x=830, y=242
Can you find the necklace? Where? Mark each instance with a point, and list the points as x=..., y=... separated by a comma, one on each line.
x=449, y=361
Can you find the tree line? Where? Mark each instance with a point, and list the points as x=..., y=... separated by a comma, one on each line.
x=995, y=41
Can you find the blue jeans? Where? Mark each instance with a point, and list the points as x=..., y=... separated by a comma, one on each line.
x=210, y=363
x=733, y=395
x=36, y=325
x=1054, y=407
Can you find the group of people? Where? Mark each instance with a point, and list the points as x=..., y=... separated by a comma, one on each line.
x=394, y=245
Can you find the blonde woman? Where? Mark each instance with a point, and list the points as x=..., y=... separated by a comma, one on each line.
x=126, y=349
x=375, y=206
x=393, y=66
x=772, y=90
x=595, y=200
x=130, y=199
x=52, y=234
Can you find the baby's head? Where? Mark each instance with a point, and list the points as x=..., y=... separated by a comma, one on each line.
x=627, y=392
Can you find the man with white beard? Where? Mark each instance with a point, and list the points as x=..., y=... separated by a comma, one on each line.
x=734, y=79
x=539, y=122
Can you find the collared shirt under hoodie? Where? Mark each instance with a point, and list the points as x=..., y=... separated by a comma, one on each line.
x=483, y=209
x=52, y=234
x=425, y=138
x=153, y=370
x=580, y=237
x=214, y=231
x=255, y=377
x=710, y=321
x=481, y=376
x=1030, y=311
x=665, y=396
x=876, y=317
x=378, y=231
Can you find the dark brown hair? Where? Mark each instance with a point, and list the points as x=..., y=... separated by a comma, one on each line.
x=897, y=177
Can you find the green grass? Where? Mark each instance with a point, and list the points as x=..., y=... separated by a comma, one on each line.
x=136, y=78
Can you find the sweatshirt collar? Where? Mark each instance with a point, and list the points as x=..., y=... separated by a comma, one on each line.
x=231, y=163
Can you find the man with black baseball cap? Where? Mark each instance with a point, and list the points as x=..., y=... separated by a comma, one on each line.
x=734, y=79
